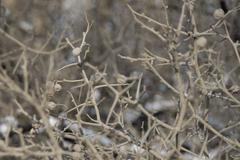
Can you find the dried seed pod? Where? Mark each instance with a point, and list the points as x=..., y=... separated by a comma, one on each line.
x=218, y=14
x=51, y=105
x=77, y=148
x=201, y=42
x=57, y=87
x=76, y=51
x=121, y=78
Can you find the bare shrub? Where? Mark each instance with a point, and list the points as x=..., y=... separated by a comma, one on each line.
x=119, y=80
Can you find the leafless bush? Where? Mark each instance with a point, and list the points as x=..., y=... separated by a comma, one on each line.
x=138, y=80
